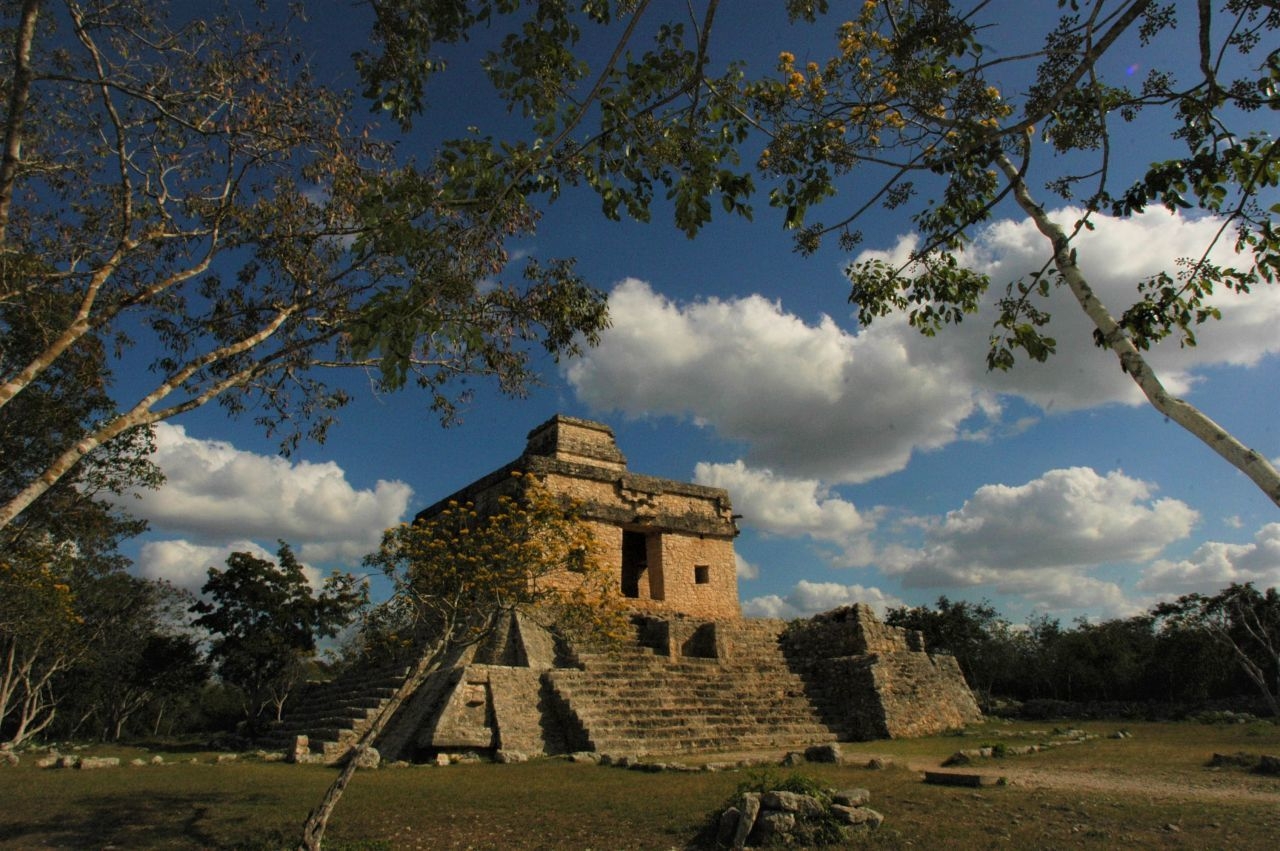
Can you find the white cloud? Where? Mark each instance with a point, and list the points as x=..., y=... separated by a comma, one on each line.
x=214, y=493
x=1114, y=257
x=1067, y=518
x=818, y=401
x=809, y=400
x=809, y=598
x=745, y=569
x=791, y=507
x=1041, y=540
x=1215, y=565
x=186, y=564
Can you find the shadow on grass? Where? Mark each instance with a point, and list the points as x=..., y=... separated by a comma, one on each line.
x=149, y=820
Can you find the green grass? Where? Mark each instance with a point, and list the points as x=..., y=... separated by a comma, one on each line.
x=558, y=805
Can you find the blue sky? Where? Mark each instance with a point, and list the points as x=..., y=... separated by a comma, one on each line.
x=869, y=464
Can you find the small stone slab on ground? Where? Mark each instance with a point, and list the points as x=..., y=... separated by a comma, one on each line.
x=956, y=778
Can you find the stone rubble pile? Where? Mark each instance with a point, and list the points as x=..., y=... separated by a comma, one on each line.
x=782, y=817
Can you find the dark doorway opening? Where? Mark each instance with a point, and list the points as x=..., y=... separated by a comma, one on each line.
x=635, y=562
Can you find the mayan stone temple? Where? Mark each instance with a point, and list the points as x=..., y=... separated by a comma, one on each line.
x=698, y=676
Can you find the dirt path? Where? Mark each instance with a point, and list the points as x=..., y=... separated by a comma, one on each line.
x=1206, y=786
x=1216, y=786
x=1209, y=786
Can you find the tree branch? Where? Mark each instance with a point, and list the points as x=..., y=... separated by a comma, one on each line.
x=1246, y=460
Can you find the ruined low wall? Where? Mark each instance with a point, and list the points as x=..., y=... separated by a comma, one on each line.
x=923, y=695
x=871, y=680
x=847, y=631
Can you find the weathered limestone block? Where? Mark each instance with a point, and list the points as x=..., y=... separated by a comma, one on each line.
x=367, y=757
x=771, y=826
x=858, y=816
x=851, y=797
x=824, y=753
x=300, y=749
x=781, y=817
x=791, y=802
x=727, y=827
x=749, y=810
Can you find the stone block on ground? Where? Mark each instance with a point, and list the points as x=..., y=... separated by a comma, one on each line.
x=790, y=802
x=772, y=826
x=857, y=816
x=366, y=758
x=823, y=753
x=727, y=826
x=851, y=797
x=956, y=778
x=749, y=810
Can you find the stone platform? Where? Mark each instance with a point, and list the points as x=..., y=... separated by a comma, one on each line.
x=683, y=685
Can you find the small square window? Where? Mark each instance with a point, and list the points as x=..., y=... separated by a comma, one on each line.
x=702, y=574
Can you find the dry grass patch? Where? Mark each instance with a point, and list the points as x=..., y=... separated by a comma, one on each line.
x=1153, y=790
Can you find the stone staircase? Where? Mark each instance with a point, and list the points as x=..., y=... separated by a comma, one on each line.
x=333, y=715
x=682, y=685
x=637, y=701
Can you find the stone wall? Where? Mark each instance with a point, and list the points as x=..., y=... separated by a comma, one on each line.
x=871, y=680
x=922, y=695
x=848, y=631
x=685, y=683
x=687, y=529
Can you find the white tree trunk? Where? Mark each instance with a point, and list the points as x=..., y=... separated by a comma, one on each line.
x=1246, y=460
x=318, y=819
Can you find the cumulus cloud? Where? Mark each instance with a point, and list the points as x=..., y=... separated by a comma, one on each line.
x=817, y=400
x=745, y=569
x=746, y=368
x=1040, y=540
x=791, y=507
x=186, y=564
x=1214, y=565
x=214, y=493
x=1066, y=518
x=809, y=598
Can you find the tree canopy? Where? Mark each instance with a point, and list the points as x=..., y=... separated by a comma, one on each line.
x=265, y=621
x=927, y=107
x=186, y=191
x=1243, y=621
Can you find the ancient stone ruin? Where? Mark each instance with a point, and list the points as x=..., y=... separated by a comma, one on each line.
x=698, y=676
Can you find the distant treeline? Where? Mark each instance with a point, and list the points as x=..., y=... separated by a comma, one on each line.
x=130, y=660
x=1196, y=652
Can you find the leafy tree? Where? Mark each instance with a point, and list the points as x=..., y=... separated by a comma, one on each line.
x=265, y=621
x=62, y=586
x=57, y=406
x=189, y=194
x=1106, y=661
x=460, y=573
x=149, y=662
x=905, y=113
x=1242, y=620
x=37, y=640
x=61, y=614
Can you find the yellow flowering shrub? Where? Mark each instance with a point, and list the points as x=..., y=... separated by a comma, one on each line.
x=458, y=572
